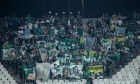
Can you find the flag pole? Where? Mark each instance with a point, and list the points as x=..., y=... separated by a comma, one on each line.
x=69, y=6
x=83, y=7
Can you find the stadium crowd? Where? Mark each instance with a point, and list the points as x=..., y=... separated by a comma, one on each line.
x=71, y=35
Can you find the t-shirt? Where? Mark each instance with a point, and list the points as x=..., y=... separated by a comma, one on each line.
x=82, y=40
x=88, y=39
x=112, y=27
x=26, y=31
x=117, y=54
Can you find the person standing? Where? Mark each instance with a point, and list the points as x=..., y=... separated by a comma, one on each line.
x=137, y=42
x=82, y=41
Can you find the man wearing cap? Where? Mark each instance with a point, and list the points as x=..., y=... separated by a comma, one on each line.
x=49, y=15
x=63, y=17
x=56, y=18
x=71, y=17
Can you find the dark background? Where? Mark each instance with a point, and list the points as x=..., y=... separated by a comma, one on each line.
x=93, y=8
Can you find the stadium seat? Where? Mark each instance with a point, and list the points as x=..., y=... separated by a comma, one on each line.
x=134, y=60
x=128, y=82
x=105, y=80
x=139, y=62
x=123, y=82
x=131, y=66
x=3, y=79
x=5, y=72
x=110, y=79
x=130, y=63
x=136, y=63
x=127, y=66
x=138, y=57
x=125, y=76
x=50, y=81
x=137, y=66
x=124, y=73
x=132, y=81
x=38, y=81
x=123, y=70
x=114, y=76
x=56, y=81
x=117, y=82
x=119, y=73
x=136, y=76
x=101, y=82
x=115, y=79
x=138, y=81
x=1, y=66
x=129, y=72
x=3, y=69
x=126, y=79
x=60, y=81
x=134, y=72
x=95, y=81
x=111, y=82
x=83, y=80
x=121, y=79
x=119, y=76
x=130, y=76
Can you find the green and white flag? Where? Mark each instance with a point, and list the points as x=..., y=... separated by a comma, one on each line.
x=86, y=58
x=130, y=35
x=5, y=54
x=51, y=44
x=107, y=44
x=55, y=68
x=53, y=51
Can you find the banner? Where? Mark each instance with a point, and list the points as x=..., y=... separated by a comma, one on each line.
x=5, y=54
x=43, y=53
x=110, y=40
x=43, y=70
x=25, y=36
x=41, y=44
x=68, y=41
x=8, y=53
x=121, y=39
x=76, y=71
x=86, y=58
x=65, y=71
x=29, y=72
x=55, y=68
x=107, y=42
x=120, y=30
x=97, y=71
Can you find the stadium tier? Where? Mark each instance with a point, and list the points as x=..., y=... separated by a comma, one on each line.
x=60, y=49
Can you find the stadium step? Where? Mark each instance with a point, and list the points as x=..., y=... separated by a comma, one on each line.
x=12, y=73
